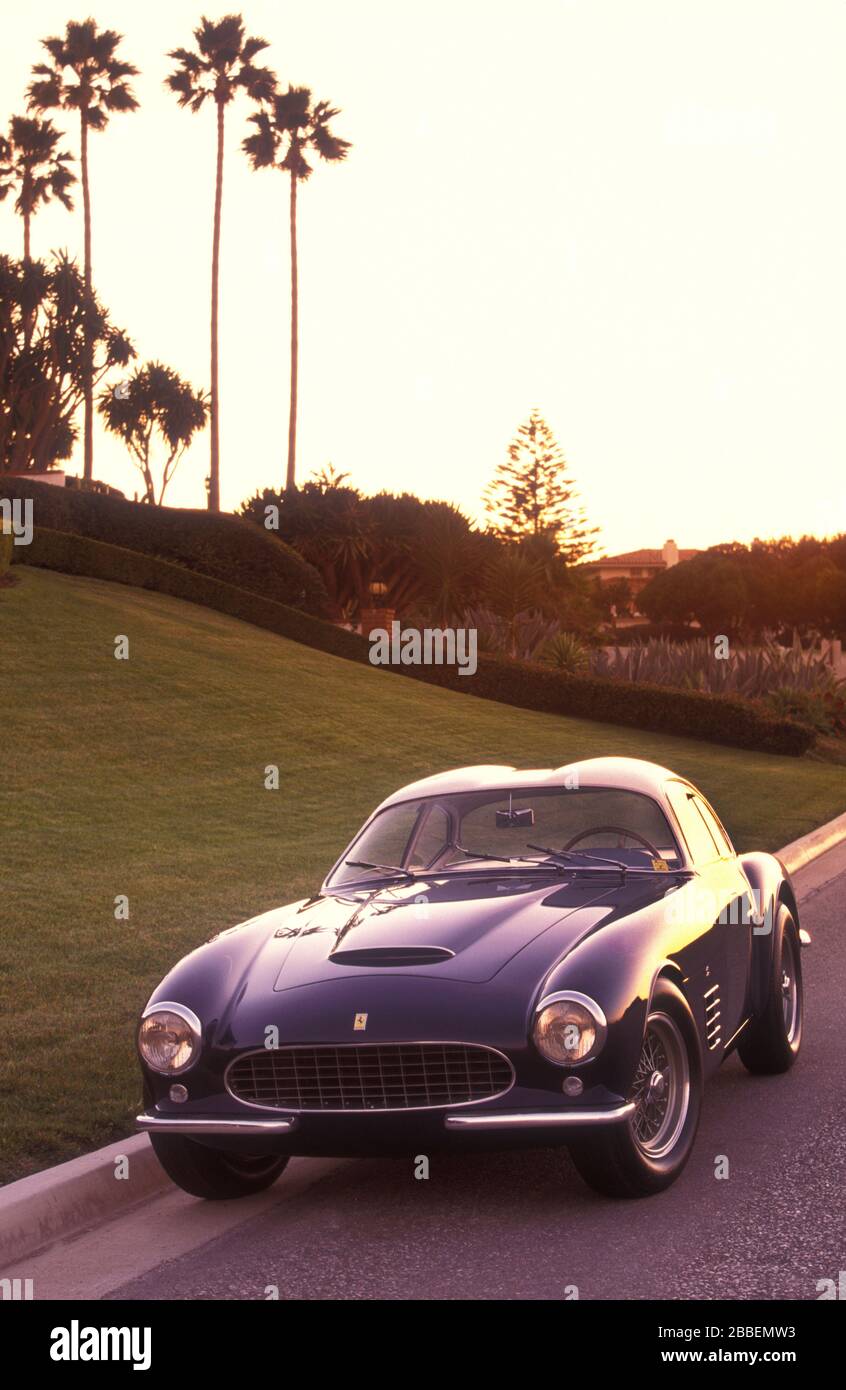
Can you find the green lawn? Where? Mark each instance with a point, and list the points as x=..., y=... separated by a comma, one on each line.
x=145, y=778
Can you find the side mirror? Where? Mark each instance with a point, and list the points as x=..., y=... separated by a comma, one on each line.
x=506, y=820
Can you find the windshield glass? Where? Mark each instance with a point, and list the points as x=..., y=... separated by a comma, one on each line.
x=462, y=831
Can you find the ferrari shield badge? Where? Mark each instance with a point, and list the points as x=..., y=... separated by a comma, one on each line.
x=359, y=1023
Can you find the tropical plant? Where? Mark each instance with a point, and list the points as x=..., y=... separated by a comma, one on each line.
x=513, y=584
x=521, y=637
x=532, y=495
x=293, y=128
x=566, y=653
x=155, y=401
x=33, y=169
x=55, y=338
x=221, y=67
x=753, y=672
x=824, y=713
x=87, y=77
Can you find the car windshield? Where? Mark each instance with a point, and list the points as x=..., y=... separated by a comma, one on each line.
x=462, y=831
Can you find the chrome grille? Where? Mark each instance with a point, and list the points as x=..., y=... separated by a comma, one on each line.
x=369, y=1076
x=713, y=1027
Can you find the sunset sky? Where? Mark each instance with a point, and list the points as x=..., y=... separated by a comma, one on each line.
x=627, y=213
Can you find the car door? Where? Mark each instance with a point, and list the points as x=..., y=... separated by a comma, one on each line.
x=725, y=891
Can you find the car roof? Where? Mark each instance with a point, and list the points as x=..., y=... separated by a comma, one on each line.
x=625, y=774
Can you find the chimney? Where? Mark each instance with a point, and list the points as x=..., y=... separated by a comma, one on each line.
x=670, y=554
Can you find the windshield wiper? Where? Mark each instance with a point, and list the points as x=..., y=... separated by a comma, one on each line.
x=395, y=870
x=583, y=853
x=481, y=854
x=625, y=869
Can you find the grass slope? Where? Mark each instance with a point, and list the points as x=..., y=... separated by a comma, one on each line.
x=145, y=778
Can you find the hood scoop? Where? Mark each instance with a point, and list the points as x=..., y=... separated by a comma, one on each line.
x=392, y=955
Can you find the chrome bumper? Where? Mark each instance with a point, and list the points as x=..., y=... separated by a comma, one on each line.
x=540, y=1119
x=505, y=1119
x=164, y=1124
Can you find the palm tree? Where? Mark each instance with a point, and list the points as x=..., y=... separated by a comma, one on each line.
x=30, y=166
x=85, y=76
x=223, y=63
x=294, y=126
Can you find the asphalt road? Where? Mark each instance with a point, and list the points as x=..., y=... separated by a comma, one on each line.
x=520, y=1226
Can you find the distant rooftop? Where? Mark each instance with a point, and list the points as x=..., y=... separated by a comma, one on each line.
x=641, y=557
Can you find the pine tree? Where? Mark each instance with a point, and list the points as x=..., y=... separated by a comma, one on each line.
x=532, y=494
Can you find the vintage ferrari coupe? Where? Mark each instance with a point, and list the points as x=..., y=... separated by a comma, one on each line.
x=499, y=957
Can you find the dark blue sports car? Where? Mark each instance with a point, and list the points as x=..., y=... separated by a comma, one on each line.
x=500, y=957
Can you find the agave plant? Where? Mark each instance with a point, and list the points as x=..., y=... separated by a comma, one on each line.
x=566, y=653
x=752, y=672
x=522, y=636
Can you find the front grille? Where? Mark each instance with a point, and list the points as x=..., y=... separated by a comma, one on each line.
x=370, y=1076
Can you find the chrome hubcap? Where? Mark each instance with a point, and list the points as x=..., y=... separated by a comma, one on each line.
x=661, y=1089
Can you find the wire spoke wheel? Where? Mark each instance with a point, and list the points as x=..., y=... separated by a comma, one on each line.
x=789, y=988
x=661, y=1090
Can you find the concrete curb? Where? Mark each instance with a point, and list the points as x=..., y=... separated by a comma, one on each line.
x=60, y=1201
x=809, y=847
x=63, y=1200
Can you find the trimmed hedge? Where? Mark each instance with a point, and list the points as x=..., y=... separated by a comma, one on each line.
x=214, y=543
x=688, y=713
x=70, y=554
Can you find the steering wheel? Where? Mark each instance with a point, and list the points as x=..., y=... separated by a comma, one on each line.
x=613, y=830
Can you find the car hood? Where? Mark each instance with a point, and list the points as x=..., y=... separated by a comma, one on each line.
x=458, y=929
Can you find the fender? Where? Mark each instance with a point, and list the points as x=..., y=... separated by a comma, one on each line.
x=771, y=885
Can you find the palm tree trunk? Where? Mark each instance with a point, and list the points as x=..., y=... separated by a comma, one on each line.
x=88, y=373
x=27, y=219
x=292, y=417
x=214, y=469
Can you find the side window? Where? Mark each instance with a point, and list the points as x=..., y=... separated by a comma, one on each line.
x=699, y=839
x=719, y=835
x=432, y=840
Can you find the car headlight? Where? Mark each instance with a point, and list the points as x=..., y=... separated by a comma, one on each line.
x=169, y=1038
x=569, y=1028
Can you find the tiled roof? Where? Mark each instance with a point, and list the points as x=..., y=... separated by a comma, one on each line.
x=641, y=557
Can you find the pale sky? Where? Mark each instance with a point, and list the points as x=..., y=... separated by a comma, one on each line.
x=628, y=213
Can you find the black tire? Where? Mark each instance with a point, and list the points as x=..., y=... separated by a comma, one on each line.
x=771, y=1044
x=644, y=1154
x=214, y=1173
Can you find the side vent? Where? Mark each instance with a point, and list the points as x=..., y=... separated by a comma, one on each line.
x=713, y=1027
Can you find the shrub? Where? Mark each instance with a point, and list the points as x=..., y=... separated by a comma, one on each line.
x=690, y=714
x=565, y=653
x=522, y=636
x=752, y=672
x=212, y=543
x=823, y=711
x=635, y=633
x=69, y=554
x=7, y=546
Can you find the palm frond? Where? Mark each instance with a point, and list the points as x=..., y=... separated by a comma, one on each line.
x=43, y=96
x=120, y=98
x=330, y=147
x=251, y=47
